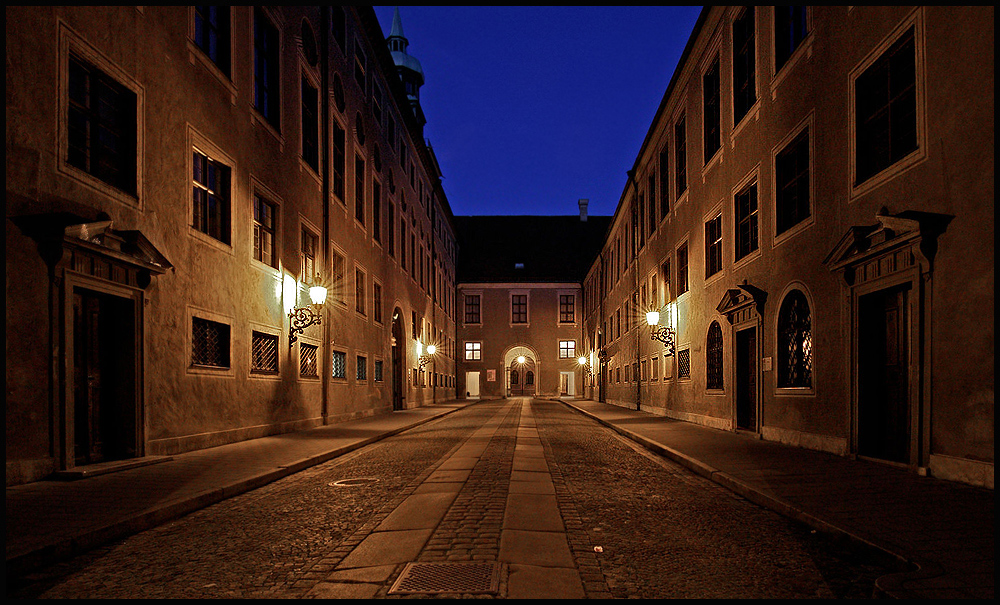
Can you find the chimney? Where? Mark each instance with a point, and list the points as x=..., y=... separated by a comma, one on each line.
x=583, y=210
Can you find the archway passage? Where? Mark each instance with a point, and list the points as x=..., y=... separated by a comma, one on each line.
x=521, y=377
x=397, y=360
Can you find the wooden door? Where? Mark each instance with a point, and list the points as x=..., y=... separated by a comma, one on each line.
x=883, y=393
x=746, y=379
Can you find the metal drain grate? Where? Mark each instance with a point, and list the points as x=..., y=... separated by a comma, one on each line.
x=437, y=578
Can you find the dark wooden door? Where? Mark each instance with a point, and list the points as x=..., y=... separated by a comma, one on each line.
x=746, y=379
x=397, y=362
x=883, y=397
x=104, y=358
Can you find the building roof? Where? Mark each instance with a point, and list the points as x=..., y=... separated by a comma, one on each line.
x=538, y=249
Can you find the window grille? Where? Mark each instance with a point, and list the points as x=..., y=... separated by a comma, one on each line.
x=713, y=361
x=264, y=353
x=362, y=369
x=684, y=363
x=308, y=365
x=209, y=343
x=339, y=365
x=377, y=370
x=794, y=342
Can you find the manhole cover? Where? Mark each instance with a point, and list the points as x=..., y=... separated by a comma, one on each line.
x=352, y=482
x=437, y=578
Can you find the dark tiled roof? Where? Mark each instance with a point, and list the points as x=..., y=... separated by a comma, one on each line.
x=551, y=248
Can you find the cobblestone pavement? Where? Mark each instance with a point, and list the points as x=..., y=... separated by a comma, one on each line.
x=637, y=525
x=667, y=533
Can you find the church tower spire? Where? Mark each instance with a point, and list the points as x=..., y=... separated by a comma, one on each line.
x=407, y=66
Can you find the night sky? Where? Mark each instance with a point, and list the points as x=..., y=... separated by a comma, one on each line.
x=531, y=108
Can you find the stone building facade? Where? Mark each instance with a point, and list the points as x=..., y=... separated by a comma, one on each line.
x=177, y=180
x=809, y=214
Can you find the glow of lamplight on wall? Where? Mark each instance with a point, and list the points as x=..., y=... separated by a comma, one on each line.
x=289, y=293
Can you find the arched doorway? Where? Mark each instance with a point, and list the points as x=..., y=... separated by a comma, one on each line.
x=398, y=360
x=522, y=373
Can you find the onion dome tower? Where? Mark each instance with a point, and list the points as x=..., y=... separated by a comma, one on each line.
x=407, y=66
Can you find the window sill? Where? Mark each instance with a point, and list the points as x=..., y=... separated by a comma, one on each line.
x=197, y=56
x=258, y=119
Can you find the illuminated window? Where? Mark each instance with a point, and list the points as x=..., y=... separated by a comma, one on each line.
x=339, y=365
x=473, y=351
x=308, y=366
x=567, y=349
x=309, y=244
x=211, y=197
x=263, y=231
x=794, y=342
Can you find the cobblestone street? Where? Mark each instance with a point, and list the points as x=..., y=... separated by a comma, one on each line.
x=562, y=504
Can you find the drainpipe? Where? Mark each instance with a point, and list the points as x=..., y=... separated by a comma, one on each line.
x=635, y=280
x=326, y=370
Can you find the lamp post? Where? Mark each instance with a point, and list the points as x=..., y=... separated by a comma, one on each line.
x=301, y=318
x=424, y=359
x=664, y=334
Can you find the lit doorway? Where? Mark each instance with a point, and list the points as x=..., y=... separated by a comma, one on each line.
x=472, y=385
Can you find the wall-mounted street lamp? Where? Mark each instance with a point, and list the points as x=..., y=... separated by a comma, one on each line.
x=585, y=365
x=301, y=318
x=422, y=358
x=663, y=334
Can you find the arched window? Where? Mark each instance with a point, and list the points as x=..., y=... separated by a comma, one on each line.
x=794, y=342
x=713, y=363
x=529, y=378
x=515, y=378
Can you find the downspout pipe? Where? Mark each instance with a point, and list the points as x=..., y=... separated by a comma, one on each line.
x=325, y=26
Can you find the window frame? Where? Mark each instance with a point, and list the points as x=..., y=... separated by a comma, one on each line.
x=914, y=20
x=271, y=113
x=202, y=314
x=744, y=187
x=714, y=249
x=514, y=315
x=567, y=349
x=753, y=81
x=200, y=146
x=803, y=128
x=473, y=348
x=270, y=334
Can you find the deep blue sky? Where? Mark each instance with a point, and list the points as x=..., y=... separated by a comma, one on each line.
x=531, y=108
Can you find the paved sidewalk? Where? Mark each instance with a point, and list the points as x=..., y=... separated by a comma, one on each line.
x=49, y=520
x=944, y=529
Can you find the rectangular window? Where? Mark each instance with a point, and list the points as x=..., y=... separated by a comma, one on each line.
x=360, y=65
x=416, y=329
x=209, y=343
x=710, y=115
x=211, y=197
x=713, y=246
x=651, y=190
x=519, y=308
x=792, y=179
x=309, y=244
x=682, y=269
x=886, y=109
x=263, y=231
x=567, y=349
x=267, y=92
x=654, y=366
x=567, y=308
x=680, y=156
x=362, y=368
x=101, y=126
x=359, y=291
x=308, y=363
x=376, y=302
x=211, y=34
x=744, y=64
x=402, y=243
x=790, y=29
x=359, y=189
x=745, y=205
x=339, y=161
x=310, y=125
x=339, y=365
x=472, y=309
x=264, y=353
x=664, y=182
x=339, y=26
x=376, y=211
x=390, y=231
x=338, y=277
x=642, y=374
x=473, y=351
x=665, y=269
x=377, y=370
x=684, y=363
